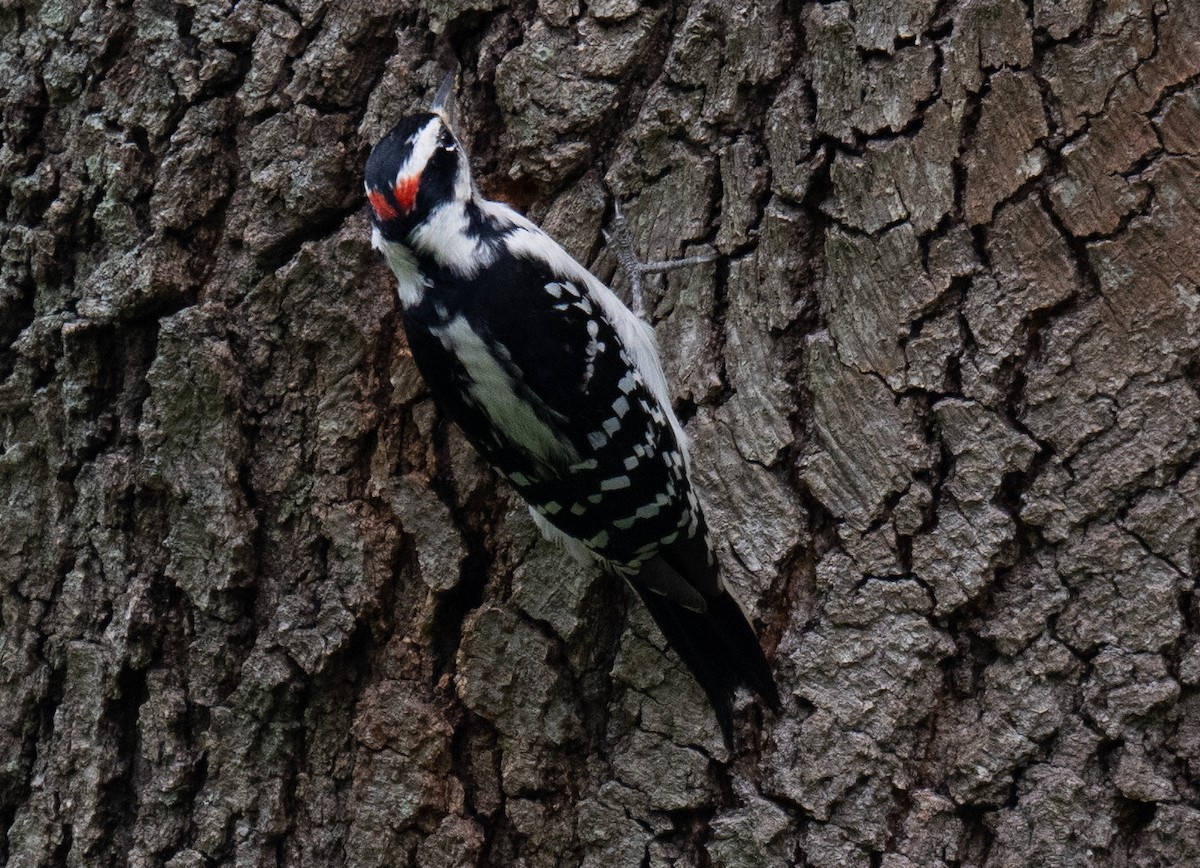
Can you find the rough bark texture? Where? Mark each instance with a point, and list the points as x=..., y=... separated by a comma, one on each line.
x=261, y=606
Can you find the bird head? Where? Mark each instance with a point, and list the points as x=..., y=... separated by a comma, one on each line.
x=417, y=167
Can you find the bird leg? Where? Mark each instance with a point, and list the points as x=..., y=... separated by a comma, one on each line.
x=621, y=240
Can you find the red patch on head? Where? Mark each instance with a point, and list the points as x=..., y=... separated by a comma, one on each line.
x=406, y=192
x=382, y=208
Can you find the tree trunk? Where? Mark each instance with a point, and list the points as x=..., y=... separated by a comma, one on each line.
x=263, y=606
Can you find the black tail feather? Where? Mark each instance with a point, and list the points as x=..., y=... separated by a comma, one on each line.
x=719, y=648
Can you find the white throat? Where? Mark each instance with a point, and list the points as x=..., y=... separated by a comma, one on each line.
x=410, y=283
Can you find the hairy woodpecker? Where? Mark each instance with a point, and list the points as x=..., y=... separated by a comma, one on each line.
x=559, y=386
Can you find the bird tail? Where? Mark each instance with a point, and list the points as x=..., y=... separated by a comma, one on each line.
x=719, y=648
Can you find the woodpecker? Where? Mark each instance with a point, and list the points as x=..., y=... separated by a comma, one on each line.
x=558, y=385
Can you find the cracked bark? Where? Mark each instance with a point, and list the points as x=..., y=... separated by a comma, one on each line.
x=261, y=606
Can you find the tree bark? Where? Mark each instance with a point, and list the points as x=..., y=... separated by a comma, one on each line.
x=262, y=606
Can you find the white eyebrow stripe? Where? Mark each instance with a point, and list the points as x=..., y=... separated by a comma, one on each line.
x=424, y=144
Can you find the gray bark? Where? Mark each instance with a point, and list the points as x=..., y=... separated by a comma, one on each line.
x=262, y=606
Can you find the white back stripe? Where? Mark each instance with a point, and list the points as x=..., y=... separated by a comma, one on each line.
x=492, y=388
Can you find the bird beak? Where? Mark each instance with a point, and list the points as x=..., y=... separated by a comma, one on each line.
x=443, y=100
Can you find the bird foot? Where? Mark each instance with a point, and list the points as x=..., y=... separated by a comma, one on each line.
x=621, y=240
